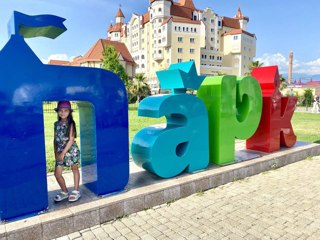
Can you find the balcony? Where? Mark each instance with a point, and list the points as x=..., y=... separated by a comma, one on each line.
x=158, y=56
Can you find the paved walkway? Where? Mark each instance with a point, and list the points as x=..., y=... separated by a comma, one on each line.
x=278, y=204
x=304, y=109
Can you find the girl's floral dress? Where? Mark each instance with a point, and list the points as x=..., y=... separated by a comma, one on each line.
x=61, y=139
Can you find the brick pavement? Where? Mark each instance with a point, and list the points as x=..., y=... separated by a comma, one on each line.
x=279, y=204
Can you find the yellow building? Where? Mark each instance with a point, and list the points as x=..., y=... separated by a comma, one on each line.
x=171, y=32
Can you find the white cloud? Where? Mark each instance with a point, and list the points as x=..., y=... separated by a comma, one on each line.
x=271, y=59
x=298, y=67
x=62, y=56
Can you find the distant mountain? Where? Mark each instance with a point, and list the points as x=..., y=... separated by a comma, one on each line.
x=303, y=77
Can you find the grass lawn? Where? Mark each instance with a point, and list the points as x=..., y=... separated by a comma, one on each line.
x=135, y=124
x=305, y=126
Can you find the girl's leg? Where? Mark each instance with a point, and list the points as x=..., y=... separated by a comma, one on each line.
x=76, y=176
x=60, y=179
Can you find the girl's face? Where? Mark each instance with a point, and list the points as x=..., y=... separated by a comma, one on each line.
x=63, y=113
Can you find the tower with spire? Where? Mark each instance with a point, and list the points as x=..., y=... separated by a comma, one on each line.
x=120, y=17
x=115, y=32
x=243, y=20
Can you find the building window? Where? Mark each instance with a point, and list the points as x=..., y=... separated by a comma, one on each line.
x=212, y=20
x=179, y=60
x=191, y=40
x=212, y=30
x=195, y=17
x=191, y=60
x=179, y=50
x=205, y=19
x=142, y=56
x=219, y=23
x=159, y=51
x=211, y=39
x=179, y=39
x=187, y=29
x=175, y=28
x=235, y=37
x=159, y=10
x=142, y=65
x=192, y=50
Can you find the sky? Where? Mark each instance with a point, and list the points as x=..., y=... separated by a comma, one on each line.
x=280, y=27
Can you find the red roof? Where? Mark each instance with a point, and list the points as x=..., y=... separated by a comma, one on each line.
x=181, y=11
x=115, y=28
x=119, y=13
x=230, y=22
x=95, y=53
x=145, y=18
x=239, y=15
x=312, y=83
x=180, y=20
x=58, y=62
x=187, y=3
x=238, y=31
x=151, y=1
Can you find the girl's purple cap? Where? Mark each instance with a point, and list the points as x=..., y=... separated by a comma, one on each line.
x=63, y=104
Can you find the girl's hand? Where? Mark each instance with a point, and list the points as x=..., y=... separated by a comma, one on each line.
x=60, y=156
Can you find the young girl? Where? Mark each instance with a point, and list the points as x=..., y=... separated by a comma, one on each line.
x=66, y=151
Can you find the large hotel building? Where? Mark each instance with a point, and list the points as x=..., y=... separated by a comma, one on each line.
x=171, y=32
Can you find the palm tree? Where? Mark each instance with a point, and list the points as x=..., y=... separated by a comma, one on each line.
x=283, y=82
x=139, y=87
x=253, y=65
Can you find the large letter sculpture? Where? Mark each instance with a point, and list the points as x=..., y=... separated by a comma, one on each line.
x=24, y=84
x=234, y=107
x=275, y=127
x=183, y=143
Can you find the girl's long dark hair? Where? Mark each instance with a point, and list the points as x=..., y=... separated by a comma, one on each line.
x=70, y=122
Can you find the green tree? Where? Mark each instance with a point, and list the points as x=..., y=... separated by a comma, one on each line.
x=139, y=87
x=308, y=97
x=111, y=62
x=253, y=65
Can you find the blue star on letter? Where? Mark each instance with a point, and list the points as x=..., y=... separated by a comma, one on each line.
x=179, y=77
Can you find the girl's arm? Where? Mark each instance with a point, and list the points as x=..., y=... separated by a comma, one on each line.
x=54, y=143
x=71, y=140
x=55, y=148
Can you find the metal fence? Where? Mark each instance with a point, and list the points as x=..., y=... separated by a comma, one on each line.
x=50, y=106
